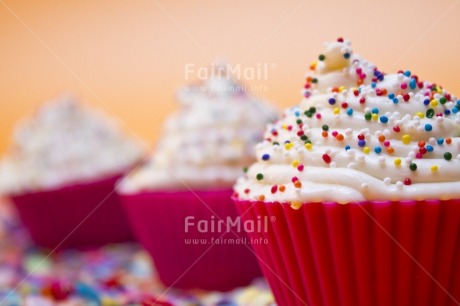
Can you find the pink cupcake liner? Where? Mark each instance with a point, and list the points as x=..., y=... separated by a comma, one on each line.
x=158, y=222
x=360, y=254
x=56, y=218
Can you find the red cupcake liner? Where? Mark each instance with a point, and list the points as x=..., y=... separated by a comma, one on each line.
x=77, y=216
x=158, y=222
x=360, y=254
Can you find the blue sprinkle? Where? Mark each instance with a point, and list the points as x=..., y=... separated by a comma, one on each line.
x=384, y=119
x=428, y=127
x=440, y=141
x=287, y=141
x=447, y=112
x=455, y=110
x=347, y=148
x=426, y=101
x=297, y=113
x=87, y=292
x=373, y=84
x=361, y=143
x=429, y=148
x=377, y=150
x=349, y=111
x=375, y=110
x=265, y=157
x=391, y=96
x=331, y=101
x=412, y=84
x=395, y=100
x=407, y=73
x=458, y=103
x=346, y=55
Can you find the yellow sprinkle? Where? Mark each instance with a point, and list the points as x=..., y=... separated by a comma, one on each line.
x=296, y=205
x=308, y=146
x=421, y=115
x=438, y=89
x=397, y=161
x=434, y=103
x=342, y=88
x=313, y=65
x=406, y=139
x=375, y=117
x=434, y=168
x=336, y=111
x=366, y=150
x=288, y=146
x=284, y=126
x=295, y=163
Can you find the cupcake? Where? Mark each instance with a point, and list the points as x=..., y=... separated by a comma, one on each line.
x=61, y=171
x=179, y=203
x=362, y=179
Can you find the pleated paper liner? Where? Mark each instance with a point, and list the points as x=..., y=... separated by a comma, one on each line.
x=56, y=218
x=188, y=257
x=360, y=254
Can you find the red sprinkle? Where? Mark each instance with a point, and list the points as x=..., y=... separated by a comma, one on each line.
x=274, y=189
x=294, y=179
x=300, y=167
x=362, y=100
x=396, y=129
x=407, y=181
x=406, y=97
x=326, y=158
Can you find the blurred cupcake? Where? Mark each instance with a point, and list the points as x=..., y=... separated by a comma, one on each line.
x=364, y=188
x=188, y=181
x=61, y=172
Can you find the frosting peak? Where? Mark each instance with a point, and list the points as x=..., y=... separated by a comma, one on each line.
x=338, y=67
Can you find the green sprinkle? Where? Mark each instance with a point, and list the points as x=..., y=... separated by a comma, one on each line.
x=313, y=109
x=413, y=166
x=314, y=80
x=447, y=156
x=443, y=100
x=299, y=121
x=430, y=113
x=260, y=176
x=245, y=169
x=368, y=116
x=321, y=57
x=325, y=127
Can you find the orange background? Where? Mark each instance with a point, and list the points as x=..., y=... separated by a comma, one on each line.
x=128, y=57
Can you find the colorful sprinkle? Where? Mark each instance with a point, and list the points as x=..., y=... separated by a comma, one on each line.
x=406, y=139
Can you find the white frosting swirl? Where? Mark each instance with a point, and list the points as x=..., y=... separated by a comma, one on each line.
x=394, y=139
x=208, y=141
x=65, y=143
